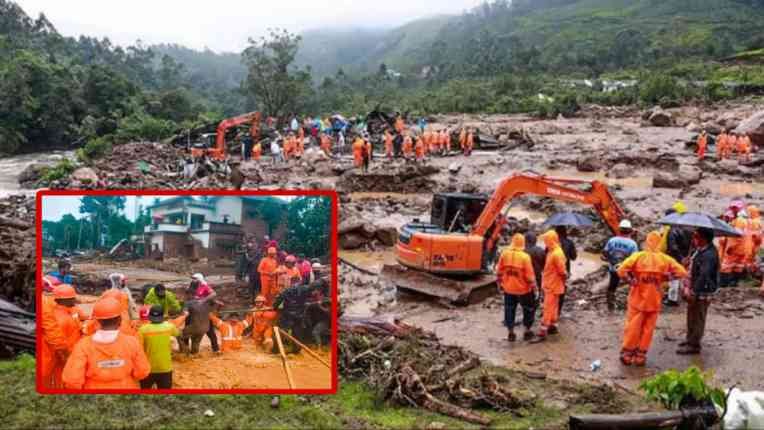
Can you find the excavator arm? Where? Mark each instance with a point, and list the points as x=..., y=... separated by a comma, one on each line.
x=598, y=196
x=219, y=151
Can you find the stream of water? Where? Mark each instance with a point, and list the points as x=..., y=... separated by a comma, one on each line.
x=11, y=167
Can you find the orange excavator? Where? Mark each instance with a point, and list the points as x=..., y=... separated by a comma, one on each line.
x=452, y=255
x=218, y=151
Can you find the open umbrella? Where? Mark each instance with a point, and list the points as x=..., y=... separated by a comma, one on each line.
x=700, y=220
x=568, y=219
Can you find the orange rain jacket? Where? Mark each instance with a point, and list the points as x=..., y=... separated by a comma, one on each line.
x=257, y=151
x=388, y=144
x=702, y=144
x=721, y=146
x=408, y=146
x=326, y=145
x=61, y=330
x=267, y=270
x=445, y=140
x=649, y=269
x=262, y=325
x=358, y=146
x=117, y=365
x=399, y=125
x=514, y=269
x=733, y=249
x=755, y=231
x=553, y=279
x=230, y=332
x=419, y=148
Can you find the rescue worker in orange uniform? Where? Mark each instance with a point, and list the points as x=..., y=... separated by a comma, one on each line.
x=731, y=144
x=419, y=149
x=702, y=145
x=733, y=250
x=744, y=148
x=463, y=138
x=408, y=146
x=108, y=359
x=552, y=282
x=368, y=153
x=445, y=141
x=469, y=143
x=326, y=144
x=517, y=279
x=262, y=320
x=267, y=270
x=61, y=330
x=287, y=275
x=721, y=145
x=231, y=330
x=399, y=125
x=388, y=144
x=299, y=146
x=755, y=232
x=257, y=151
x=647, y=272
x=288, y=146
x=358, y=148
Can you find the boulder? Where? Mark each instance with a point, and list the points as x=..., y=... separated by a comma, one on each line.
x=754, y=127
x=454, y=167
x=352, y=241
x=32, y=173
x=620, y=171
x=685, y=176
x=712, y=128
x=387, y=236
x=590, y=163
x=693, y=127
x=85, y=175
x=312, y=155
x=660, y=118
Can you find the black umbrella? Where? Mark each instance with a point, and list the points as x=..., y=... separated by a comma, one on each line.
x=568, y=219
x=700, y=220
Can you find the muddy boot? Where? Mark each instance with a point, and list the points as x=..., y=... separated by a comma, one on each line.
x=528, y=335
x=541, y=336
x=553, y=330
x=640, y=358
x=627, y=357
x=511, y=336
x=688, y=350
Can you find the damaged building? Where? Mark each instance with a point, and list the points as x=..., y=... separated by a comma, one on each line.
x=211, y=227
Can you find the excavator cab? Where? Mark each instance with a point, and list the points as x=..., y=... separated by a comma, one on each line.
x=456, y=211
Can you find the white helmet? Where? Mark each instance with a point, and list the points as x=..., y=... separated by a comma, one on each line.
x=198, y=276
x=625, y=225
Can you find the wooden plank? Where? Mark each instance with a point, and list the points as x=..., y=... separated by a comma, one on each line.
x=308, y=350
x=284, y=358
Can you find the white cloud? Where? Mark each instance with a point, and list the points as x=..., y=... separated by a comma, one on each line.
x=224, y=25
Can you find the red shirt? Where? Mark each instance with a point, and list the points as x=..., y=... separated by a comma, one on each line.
x=203, y=291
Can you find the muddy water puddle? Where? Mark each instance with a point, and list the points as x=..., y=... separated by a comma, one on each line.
x=372, y=261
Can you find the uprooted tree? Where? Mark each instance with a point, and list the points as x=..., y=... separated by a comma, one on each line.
x=273, y=83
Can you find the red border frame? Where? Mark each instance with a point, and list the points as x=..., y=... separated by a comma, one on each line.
x=333, y=250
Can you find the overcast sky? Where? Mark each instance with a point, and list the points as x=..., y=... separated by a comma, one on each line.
x=225, y=25
x=54, y=207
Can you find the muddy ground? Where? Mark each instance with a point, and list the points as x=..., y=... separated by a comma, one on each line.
x=248, y=368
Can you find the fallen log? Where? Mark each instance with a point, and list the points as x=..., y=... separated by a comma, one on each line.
x=377, y=325
x=652, y=420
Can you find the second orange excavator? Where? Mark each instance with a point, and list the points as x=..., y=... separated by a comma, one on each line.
x=453, y=254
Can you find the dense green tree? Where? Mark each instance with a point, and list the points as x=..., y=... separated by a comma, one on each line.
x=309, y=221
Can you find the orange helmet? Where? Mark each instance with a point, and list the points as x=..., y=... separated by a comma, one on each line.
x=112, y=293
x=64, y=291
x=106, y=308
x=272, y=250
x=290, y=259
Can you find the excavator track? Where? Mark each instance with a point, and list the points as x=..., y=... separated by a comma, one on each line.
x=454, y=290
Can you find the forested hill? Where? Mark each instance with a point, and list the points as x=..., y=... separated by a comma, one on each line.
x=586, y=36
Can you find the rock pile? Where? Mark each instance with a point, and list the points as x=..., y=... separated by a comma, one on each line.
x=17, y=255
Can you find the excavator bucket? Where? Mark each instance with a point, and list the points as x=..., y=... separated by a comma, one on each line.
x=454, y=290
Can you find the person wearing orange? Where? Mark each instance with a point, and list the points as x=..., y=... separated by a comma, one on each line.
x=755, y=232
x=647, y=271
x=326, y=144
x=419, y=149
x=733, y=251
x=445, y=141
x=267, y=270
x=721, y=145
x=702, y=145
x=388, y=144
x=552, y=282
x=358, y=148
x=288, y=146
x=262, y=320
x=299, y=150
x=61, y=330
x=744, y=148
x=126, y=325
x=408, y=146
x=731, y=144
x=231, y=330
x=368, y=153
x=399, y=125
x=469, y=143
x=517, y=281
x=108, y=359
x=463, y=138
x=257, y=151
x=287, y=275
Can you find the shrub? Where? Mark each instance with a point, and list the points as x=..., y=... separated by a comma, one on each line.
x=674, y=389
x=95, y=148
x=657, y=88
x=61, y=170
x=141, y=125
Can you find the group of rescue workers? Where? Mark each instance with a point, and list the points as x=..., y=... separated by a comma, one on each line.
x=727, y=144
x=690, y=262
x=400, y=141
x=120, y=345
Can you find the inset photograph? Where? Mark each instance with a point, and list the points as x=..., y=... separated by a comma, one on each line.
x=225, y=292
